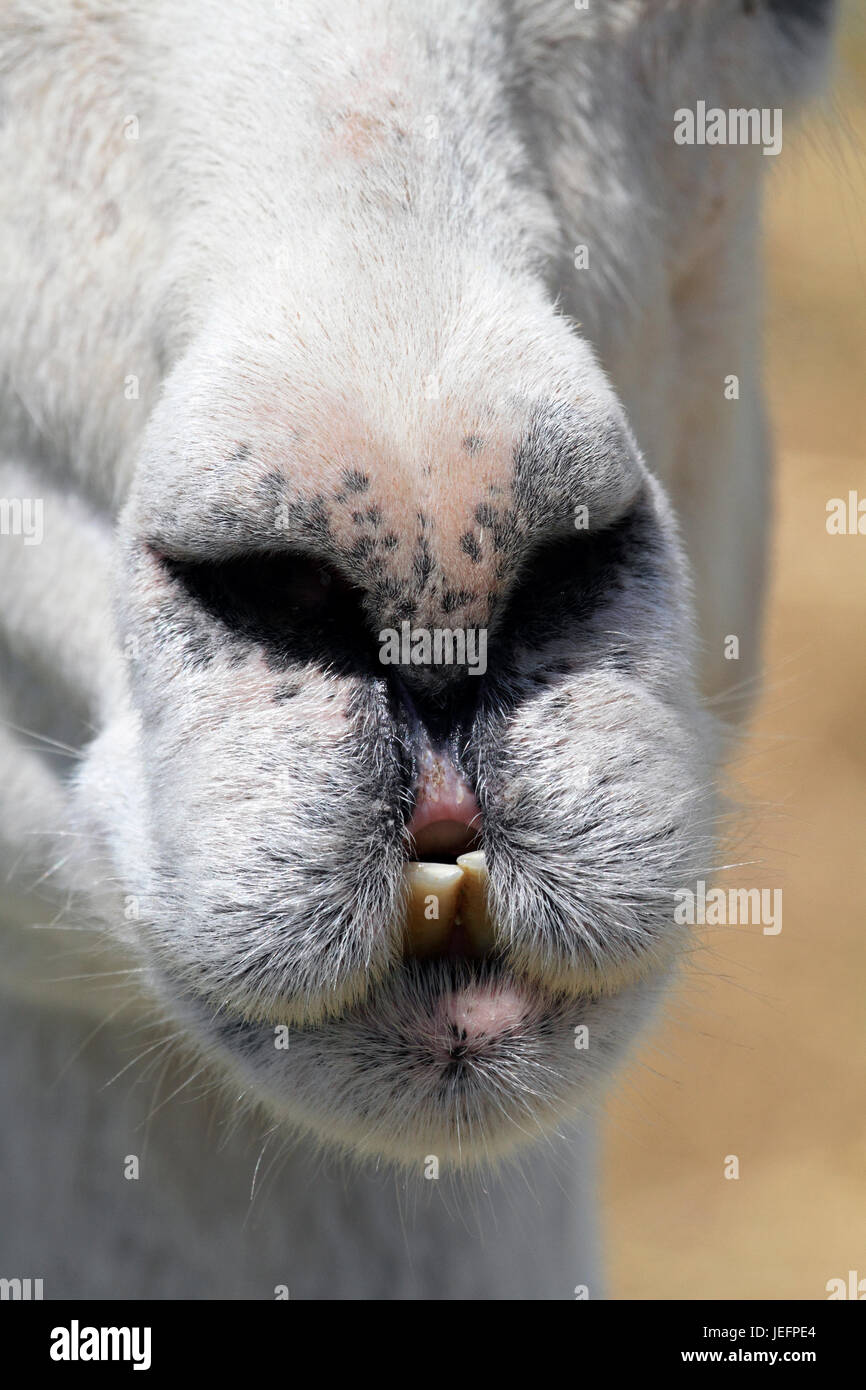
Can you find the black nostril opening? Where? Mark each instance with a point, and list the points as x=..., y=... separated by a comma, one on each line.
x=296, y=608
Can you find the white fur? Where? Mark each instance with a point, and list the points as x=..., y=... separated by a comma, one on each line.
x=333, y=254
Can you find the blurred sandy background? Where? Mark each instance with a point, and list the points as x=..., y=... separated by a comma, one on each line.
x=765, y=1054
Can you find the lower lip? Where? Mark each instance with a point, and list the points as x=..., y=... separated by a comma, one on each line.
x=483, y=1011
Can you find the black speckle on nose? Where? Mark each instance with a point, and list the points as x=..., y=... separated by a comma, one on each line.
x=355, y=481
x=469, y=545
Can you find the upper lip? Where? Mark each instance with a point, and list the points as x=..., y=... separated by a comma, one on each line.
x=446, y=820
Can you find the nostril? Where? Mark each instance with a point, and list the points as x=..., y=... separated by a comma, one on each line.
x=295, y=607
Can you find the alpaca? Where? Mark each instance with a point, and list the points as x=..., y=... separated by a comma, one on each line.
x=336, y=336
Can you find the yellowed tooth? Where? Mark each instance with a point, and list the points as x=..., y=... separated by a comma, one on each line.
x=433, y=891
x=473, y=900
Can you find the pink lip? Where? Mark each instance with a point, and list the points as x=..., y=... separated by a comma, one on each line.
x=447, y=817
x=481, y=1013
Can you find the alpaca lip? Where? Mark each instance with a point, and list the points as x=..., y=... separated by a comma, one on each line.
x=471, y=1017
x=440, y=840
x=446, y=821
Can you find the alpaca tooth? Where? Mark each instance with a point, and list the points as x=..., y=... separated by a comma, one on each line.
x=474, y=913
x=433, y=891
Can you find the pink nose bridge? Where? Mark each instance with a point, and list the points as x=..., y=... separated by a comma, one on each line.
x=447, y=817
x=421, y=506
